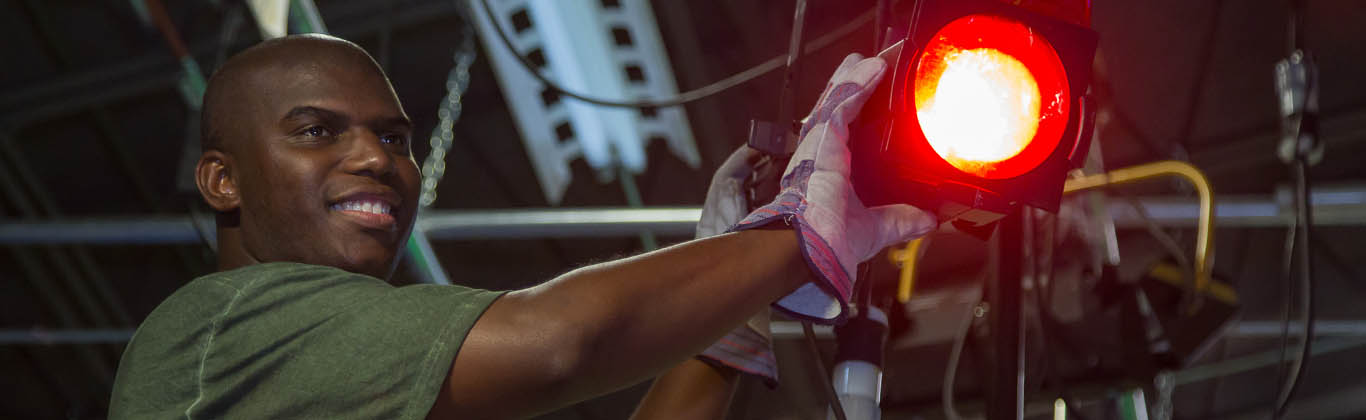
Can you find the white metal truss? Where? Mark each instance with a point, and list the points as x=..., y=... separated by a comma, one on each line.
x=605, y=48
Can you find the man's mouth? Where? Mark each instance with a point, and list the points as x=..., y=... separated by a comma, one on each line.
x=364, y=206
x=370, y=213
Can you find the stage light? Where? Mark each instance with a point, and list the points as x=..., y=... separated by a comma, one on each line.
x=986, y=89
x=983, y=109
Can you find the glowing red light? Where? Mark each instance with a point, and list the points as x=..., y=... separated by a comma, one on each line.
x=991, y=97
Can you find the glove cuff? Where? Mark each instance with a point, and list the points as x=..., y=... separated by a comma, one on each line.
x=823, y=301
x=745, y=351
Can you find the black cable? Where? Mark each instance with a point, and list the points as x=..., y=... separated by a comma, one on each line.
x=1304, y=220
x=1287, y=279
x=884, y=14
x=685, y=97
x=830, y=394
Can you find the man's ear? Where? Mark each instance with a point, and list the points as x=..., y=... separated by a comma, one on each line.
x=217, y=181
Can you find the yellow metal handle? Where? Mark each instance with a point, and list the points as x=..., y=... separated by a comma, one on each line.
x=1204, y=240
x=906, y=258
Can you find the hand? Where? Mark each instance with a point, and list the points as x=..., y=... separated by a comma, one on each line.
x=748, y=348
x=835, y=230
x=726, y=202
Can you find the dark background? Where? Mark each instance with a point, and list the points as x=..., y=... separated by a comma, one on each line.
x=94, y=127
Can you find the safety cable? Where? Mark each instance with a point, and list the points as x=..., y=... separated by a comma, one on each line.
x=692, y=95
x=1300, y=240
x=835, y=405
x=1287, y=279
x=1306, y=294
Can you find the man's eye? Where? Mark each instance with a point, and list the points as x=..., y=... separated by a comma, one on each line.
x=317, y=131
x=393, y=139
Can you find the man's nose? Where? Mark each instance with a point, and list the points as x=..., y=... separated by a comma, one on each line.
x=367, y=156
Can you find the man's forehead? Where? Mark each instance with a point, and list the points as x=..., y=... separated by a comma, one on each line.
x=256, y=88
x=318, y=79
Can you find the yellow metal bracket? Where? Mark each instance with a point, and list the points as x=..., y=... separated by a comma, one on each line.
x=906, y=258
x=1204, y=237
x=1204, y=241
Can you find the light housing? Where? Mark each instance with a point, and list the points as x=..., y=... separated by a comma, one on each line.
x=983, y=109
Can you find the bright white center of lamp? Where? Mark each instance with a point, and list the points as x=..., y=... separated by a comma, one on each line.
x=984, y=109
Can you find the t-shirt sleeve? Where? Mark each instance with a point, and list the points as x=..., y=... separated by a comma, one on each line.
x=322, y=343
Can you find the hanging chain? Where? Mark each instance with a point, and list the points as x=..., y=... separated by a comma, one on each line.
x=448, y=113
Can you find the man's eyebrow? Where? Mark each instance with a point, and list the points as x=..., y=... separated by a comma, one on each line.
x=392, y=123
x=313, y=111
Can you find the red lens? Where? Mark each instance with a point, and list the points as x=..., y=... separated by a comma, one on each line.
x=991, y=96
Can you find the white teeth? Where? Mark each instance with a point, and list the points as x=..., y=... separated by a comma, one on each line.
x=374, y=207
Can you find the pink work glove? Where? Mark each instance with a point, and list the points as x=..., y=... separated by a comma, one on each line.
x=748, y=348
x=834, y=229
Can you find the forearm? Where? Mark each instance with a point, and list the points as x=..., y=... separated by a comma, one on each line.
x=604, y=327
x=646, y=313
x=692, y=390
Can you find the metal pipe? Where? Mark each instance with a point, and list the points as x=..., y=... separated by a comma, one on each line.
x=905, y=259
x=1204, y=241
x=518, y=224
x=422, y=259
x=1005, y=320
x=1332, y=207
x=1257, y=361
x=780, y=330
x=634, y=200
x=103, y=292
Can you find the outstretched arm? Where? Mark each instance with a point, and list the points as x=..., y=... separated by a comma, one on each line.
x=604, y=327
x=611, y=325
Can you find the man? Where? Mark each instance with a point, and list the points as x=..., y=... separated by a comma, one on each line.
x=307, y=163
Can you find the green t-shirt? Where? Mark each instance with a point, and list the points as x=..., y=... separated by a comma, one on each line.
x=285, y=340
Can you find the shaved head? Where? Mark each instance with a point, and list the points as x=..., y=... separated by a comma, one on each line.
x=241, y=80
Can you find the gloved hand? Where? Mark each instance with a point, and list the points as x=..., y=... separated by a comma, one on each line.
x=834, y=229
x=748, y=348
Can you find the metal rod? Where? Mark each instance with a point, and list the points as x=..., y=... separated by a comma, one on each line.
x=634, y=200
x=677, y=221
x=1332, y=207
x=43, y=203
x=1257, y=361
x=787, y=97
x=422, y=259
x=1353, y=330
x=1005, y=321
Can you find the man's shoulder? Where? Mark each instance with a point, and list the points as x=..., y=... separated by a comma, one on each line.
x=269, y=339
x=242, y=294
x=249, y=278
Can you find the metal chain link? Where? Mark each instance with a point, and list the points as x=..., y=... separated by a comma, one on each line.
x=448, y=113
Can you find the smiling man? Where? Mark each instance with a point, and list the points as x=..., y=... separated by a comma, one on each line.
x=307, y=164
